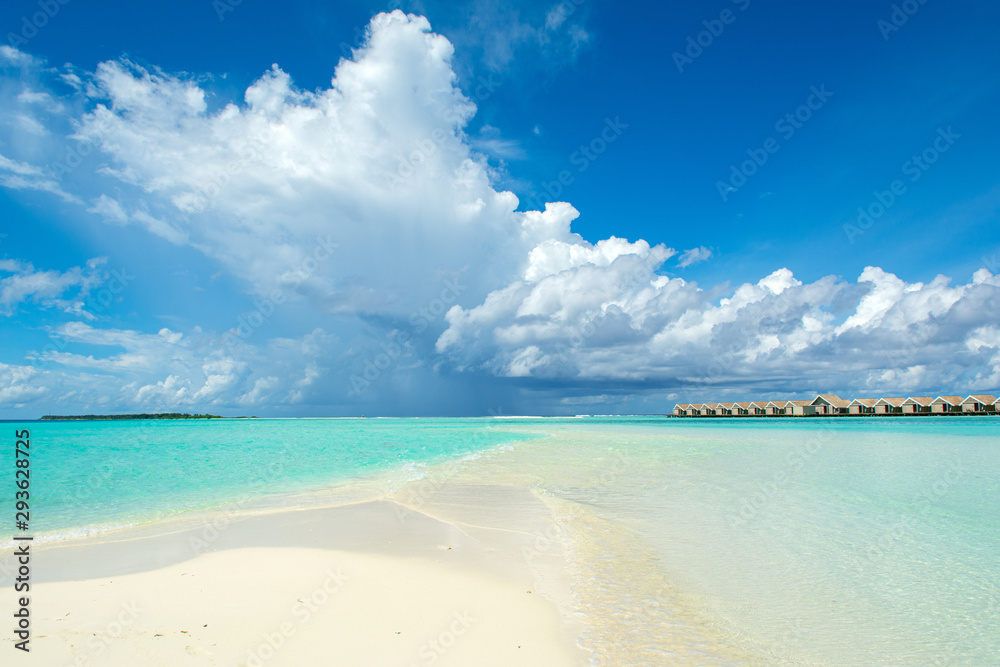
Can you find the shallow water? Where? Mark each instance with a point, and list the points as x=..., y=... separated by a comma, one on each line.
x=833, y=542
x=93, y=476
x=818, y=541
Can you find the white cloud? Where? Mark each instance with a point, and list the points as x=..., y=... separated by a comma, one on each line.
x=603, y=321
x=16, y=57
x=30, y=124
x=19, y=385
x=379, y=161
x=171, y=370
x=19, y=168
x=490, y=142
x=67, y=290
x=365, y=198
x=23, y=176
x=693, y=256
x=109, y=209
x=498, y=33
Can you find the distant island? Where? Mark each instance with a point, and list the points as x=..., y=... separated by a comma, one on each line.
x=159, y=415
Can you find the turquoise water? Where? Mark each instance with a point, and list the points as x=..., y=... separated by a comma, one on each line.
x=792, y=542
x=89, y=476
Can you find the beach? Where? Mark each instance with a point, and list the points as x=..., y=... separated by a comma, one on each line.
x=499, y=334
x=349, y=585
x=546, y=542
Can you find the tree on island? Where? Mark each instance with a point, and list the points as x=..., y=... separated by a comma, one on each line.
x=159, y=415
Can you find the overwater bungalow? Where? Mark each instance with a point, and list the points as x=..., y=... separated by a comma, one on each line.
x=774, y=408
x=889, y=406
x=979, y=403
x=800, y=408
x=946, y=404
x=830, y=404
x=917, y=405
x=862, y=406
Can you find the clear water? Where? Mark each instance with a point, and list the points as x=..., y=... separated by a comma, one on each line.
x=798, y=542
x=91, y=476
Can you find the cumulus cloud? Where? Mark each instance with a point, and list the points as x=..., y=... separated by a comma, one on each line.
x=367, y=200
x=379, y=162
x=18, y=385
x=627, y=323
x=171, y=370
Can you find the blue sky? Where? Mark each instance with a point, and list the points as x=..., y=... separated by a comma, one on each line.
x=294, y=211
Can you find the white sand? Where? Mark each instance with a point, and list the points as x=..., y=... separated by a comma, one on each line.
x=359, y=585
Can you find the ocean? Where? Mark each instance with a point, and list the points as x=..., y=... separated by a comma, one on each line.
x=747, y=541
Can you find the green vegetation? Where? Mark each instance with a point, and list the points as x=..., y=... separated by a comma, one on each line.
x=160, y=415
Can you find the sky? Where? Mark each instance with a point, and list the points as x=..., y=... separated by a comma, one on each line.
x=482, y=208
